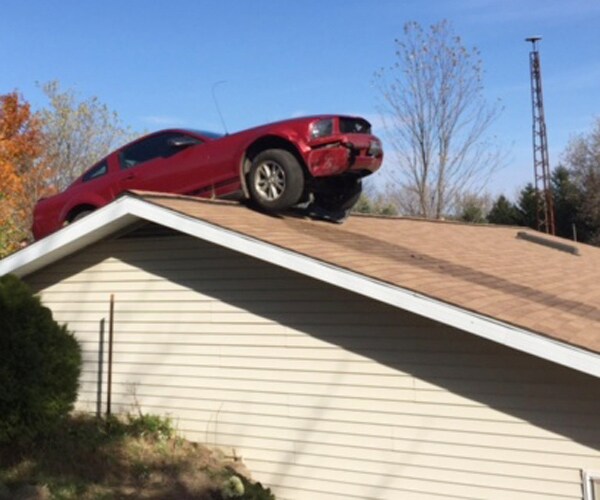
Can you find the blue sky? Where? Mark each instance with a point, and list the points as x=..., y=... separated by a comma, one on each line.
x=155, y=62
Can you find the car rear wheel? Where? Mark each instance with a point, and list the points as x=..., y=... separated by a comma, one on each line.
x=276, y=180
x=81, y=215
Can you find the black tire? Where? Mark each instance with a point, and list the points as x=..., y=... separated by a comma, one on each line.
x=338, y=194
x=81, y=215
x=276, y=180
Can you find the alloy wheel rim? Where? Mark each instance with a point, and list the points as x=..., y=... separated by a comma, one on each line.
x=270, y=180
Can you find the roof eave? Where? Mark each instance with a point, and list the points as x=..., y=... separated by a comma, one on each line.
x=128, y=209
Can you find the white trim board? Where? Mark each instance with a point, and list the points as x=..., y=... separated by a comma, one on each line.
x=128, y=209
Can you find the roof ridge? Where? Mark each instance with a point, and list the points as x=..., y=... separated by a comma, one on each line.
x=173, y=196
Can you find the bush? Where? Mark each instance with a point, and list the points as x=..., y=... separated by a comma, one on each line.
x=256, y=491
x=40, y=363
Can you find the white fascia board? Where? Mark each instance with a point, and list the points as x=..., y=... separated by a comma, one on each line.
x=70, y=239
x=128, y=209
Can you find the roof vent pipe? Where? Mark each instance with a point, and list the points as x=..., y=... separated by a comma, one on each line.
x=556, y=245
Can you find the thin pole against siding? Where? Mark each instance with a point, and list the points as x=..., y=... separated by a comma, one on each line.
x=100, y=367
x=111, y=322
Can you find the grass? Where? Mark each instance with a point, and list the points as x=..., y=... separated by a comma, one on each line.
x=134, y=457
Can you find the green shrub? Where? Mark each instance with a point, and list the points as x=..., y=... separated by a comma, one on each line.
x=40, y=363
x=152, y=426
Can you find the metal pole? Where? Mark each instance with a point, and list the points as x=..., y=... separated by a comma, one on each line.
x=541, y=162
x=100, y=367
x=111, y=321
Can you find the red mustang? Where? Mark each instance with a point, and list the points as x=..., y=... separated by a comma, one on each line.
x=317, y=160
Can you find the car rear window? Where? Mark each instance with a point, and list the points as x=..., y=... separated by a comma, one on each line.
x=354, y=126
x=95, y=172
x=155, y=146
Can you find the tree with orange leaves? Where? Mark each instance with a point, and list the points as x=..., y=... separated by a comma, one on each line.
x=44, y=152
x=20, y=170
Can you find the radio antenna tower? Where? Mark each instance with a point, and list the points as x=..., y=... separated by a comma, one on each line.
x=541, y=163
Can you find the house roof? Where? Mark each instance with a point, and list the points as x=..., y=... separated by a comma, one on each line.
x=538, y=294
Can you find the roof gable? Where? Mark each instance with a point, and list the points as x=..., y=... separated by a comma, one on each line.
x=481, y=279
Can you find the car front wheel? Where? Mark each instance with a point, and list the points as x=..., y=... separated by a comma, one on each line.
x=276, y=180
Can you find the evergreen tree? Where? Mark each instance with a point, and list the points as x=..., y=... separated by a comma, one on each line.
x=503, y=212
x=527, y=206
x=567, y=205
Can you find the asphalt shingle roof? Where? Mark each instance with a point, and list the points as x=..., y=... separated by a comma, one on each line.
x=482, y=268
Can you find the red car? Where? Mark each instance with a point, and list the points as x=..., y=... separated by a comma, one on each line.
x=317, y=160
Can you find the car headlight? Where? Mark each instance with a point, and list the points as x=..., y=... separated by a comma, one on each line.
x=375, y=148
x=321, y=128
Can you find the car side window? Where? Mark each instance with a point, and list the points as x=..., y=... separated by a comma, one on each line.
x=158, y=146
x=95, y=172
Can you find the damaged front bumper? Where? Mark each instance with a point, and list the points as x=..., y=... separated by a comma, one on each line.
x=361, y=155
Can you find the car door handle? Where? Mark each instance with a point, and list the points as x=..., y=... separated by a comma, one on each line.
x=130, y=177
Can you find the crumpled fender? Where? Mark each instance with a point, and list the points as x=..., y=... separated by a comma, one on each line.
x=330, y=160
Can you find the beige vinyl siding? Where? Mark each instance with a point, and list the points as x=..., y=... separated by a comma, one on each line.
x=324, y=393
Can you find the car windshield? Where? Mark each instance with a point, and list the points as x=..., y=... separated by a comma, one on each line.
x=205, y=133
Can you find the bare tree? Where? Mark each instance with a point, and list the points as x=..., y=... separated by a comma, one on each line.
x=77, y=133
x=436, y=120
x=472, y=207
x=582, y=159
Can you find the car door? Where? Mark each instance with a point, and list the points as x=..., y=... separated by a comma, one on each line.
x=167, y=162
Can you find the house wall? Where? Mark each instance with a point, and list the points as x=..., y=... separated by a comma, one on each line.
x=324, y=393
